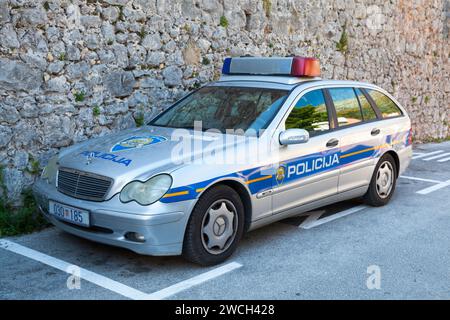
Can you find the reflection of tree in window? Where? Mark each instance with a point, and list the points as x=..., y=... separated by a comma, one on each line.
x=307, y=118
x=310, y=113
x=346, y=105
x=368, y=112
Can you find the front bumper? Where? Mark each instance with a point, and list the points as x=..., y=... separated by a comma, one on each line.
x=161, y=224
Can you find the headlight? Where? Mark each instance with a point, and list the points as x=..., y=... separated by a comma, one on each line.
x=49, y=172
x=147, y=192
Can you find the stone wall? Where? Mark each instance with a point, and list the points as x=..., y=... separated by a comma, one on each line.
x=71, y=70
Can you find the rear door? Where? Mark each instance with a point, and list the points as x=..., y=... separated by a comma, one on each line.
x=361, y=137
x=309, y=171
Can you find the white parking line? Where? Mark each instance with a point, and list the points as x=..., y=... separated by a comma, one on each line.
x=186, y=284
x=64, y=266
x=420, y=179
x=314, y=221
x=434, y=188
x=113, y=285
x=427, y=154
x=444, y=160
x=437, y=157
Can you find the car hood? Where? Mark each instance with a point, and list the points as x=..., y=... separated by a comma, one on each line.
x=135, y=154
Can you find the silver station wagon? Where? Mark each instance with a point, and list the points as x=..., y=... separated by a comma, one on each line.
x=268, y=141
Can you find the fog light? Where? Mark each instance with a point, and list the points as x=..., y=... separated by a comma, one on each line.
x=135, y=237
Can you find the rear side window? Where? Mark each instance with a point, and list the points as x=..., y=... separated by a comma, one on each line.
x=347, y=107
x=367, y=110
x=310, y=113
x=387, y=107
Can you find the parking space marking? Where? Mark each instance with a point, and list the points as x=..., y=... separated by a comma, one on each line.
x=437, y=157
x=444, y=160
x=315, y=221
x=420, y=179
x=434, y=188
x=113, y=285
x=423, y=155
x=186, y=284
x=64, y=266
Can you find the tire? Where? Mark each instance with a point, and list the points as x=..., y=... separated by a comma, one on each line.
x=208, y=239
x=385, y=172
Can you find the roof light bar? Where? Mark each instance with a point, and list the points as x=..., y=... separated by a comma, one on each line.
x=274, y=66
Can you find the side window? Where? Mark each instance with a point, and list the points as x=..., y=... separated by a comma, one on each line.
x=367, y=110
x=310, y=113
x=387, y=107
x=347, y=106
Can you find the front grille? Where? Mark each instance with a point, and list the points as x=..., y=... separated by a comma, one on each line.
x=83, y=185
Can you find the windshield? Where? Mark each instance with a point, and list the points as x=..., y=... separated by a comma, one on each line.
x=224, y=108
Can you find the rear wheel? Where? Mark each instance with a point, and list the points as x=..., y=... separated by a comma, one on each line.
x=383, y=182
x=215, y=226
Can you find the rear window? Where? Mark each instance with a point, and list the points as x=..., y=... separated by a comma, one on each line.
x=387, y=107
x=347, y=106
x=367, y=110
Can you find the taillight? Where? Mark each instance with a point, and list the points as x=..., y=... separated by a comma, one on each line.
x=410, y=137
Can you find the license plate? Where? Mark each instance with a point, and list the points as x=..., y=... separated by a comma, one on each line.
x=69, y=214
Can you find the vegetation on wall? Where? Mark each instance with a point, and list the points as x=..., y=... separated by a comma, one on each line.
x=223, y=22
x=13, y=220
x=267, y=6
x=342, y=44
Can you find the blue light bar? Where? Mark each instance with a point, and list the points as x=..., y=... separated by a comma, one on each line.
x=276, y=66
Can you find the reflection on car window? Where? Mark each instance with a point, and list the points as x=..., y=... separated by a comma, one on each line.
x=387, y=106
x=310, y=113
x=367, y=110
x=225, y=108
x=347, y=107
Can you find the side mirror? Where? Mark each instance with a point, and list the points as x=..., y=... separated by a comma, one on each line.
x=293, y=136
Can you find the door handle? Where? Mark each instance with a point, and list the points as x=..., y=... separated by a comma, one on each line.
x=332, y=143
x=375, y=132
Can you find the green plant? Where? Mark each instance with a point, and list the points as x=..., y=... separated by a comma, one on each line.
x=414, y=99
x=46, y=6
x=139, y=120
x=205, y=61
x=79, y=96
x=223, y=22
x=62, y=56
x=2, y=183
x=187, y=28
x=34, y=167
x=110, y=42
x=271, y=45
x=342, y=44
x=142, y=33
x=120, y=17
x=427, y=99
x=393, y=83
x=267, y=6
x=20, y=220
x=96, y=111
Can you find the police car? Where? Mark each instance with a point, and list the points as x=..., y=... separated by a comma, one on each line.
x=267, y=141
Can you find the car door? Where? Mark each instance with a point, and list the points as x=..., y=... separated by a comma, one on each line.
x=308, y=171
x=360, y=137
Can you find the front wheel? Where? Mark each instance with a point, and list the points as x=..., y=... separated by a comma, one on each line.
x=383, y=182
x=215, y=226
